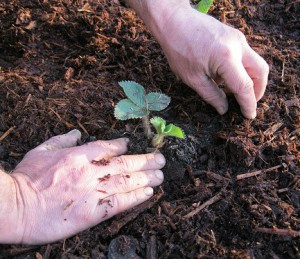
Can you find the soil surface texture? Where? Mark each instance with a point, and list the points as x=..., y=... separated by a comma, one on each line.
x=60, y=61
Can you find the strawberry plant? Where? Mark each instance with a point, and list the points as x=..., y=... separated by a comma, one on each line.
x=139, y=104
x=163, y=130
x=204, y=5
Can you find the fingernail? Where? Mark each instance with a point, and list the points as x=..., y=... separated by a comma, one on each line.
x=223, y=110
x=73, y=132
x=148, y=191
x=253, y=115
x=159, y=174
x=126, y=140
x=249, y=115
x=159, y=158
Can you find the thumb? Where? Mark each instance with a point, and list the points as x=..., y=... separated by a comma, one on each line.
x=257, y=69
x=62, y=141
x=240, y=84
x=211, y=93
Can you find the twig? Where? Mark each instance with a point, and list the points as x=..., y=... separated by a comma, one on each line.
x=6, y=133
x=117, y=224
x=247, y=175
x=273, y=129
x=274, y=256
x=47, y=252
x=204, y=205
x=69, y=125
x=12, y=91
x=83, y=128
x=279, y=231
x=189, y=170
x=282, y=71
x=152, y=248
x=216, y=177
x=283, y=190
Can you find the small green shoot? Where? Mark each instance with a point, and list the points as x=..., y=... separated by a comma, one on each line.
x=163, y=130
x=204, y=5
x=138, y=104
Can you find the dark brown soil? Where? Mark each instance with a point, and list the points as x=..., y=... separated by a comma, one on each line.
x=59, y=67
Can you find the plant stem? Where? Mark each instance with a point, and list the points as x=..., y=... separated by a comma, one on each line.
x=146, y=126
x=158, y=140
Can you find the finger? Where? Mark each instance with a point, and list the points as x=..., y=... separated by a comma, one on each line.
x=132, y=163
x=241, y=85
x=62, y=141
x=100, y=149
x=95, y=210
x=120, y=202
x=258, y=70
x=212, y=94
x=130, y=182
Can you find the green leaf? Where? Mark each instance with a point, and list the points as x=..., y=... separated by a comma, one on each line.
x=126, y=109
x=174, y=131
x=157, y=101
x=135, y=92
x=159, y=124
x=204, y=5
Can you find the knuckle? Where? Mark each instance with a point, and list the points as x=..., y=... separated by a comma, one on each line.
x=226, y=52
x=210, y=97
x=115, y=201
x=242, y=86
x=229, y=48
x=134, y=198
x=240, y=36
x=245, y=86
x=71, y=157
x=125, y=163
x=262, y=68
x=122, y=182
x=97, y=143
x=265, y=68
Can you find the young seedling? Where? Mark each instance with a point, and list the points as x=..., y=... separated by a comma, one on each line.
x=163, y=130
x=204, y=5
x=138, y=104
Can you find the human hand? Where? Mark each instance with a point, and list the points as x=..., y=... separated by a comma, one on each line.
x=63, y=189
x=204, y=52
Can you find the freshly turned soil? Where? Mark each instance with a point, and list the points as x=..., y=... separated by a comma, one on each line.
x=60, y=61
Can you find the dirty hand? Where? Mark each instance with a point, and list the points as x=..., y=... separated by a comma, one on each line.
x=204, y=53
x=63, y=188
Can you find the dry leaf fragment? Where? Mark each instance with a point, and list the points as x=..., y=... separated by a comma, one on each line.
x=31, y=25
x=69, y=73
x=86, y=8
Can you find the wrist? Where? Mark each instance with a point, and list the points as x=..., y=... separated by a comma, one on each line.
x=157, y=14
x=10, y=216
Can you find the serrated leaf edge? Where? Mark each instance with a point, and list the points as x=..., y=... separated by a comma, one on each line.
x=132, y=117
x=159, y=131
x=182, y=131
x=168, y=97
x=133, y=82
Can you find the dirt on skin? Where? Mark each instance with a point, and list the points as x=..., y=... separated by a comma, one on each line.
x=60, y=63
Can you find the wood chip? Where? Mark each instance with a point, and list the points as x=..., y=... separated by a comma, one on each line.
x=273, y=129
x=279, y=231
x=204, y=205
x=251, y=174
x=6, y=133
